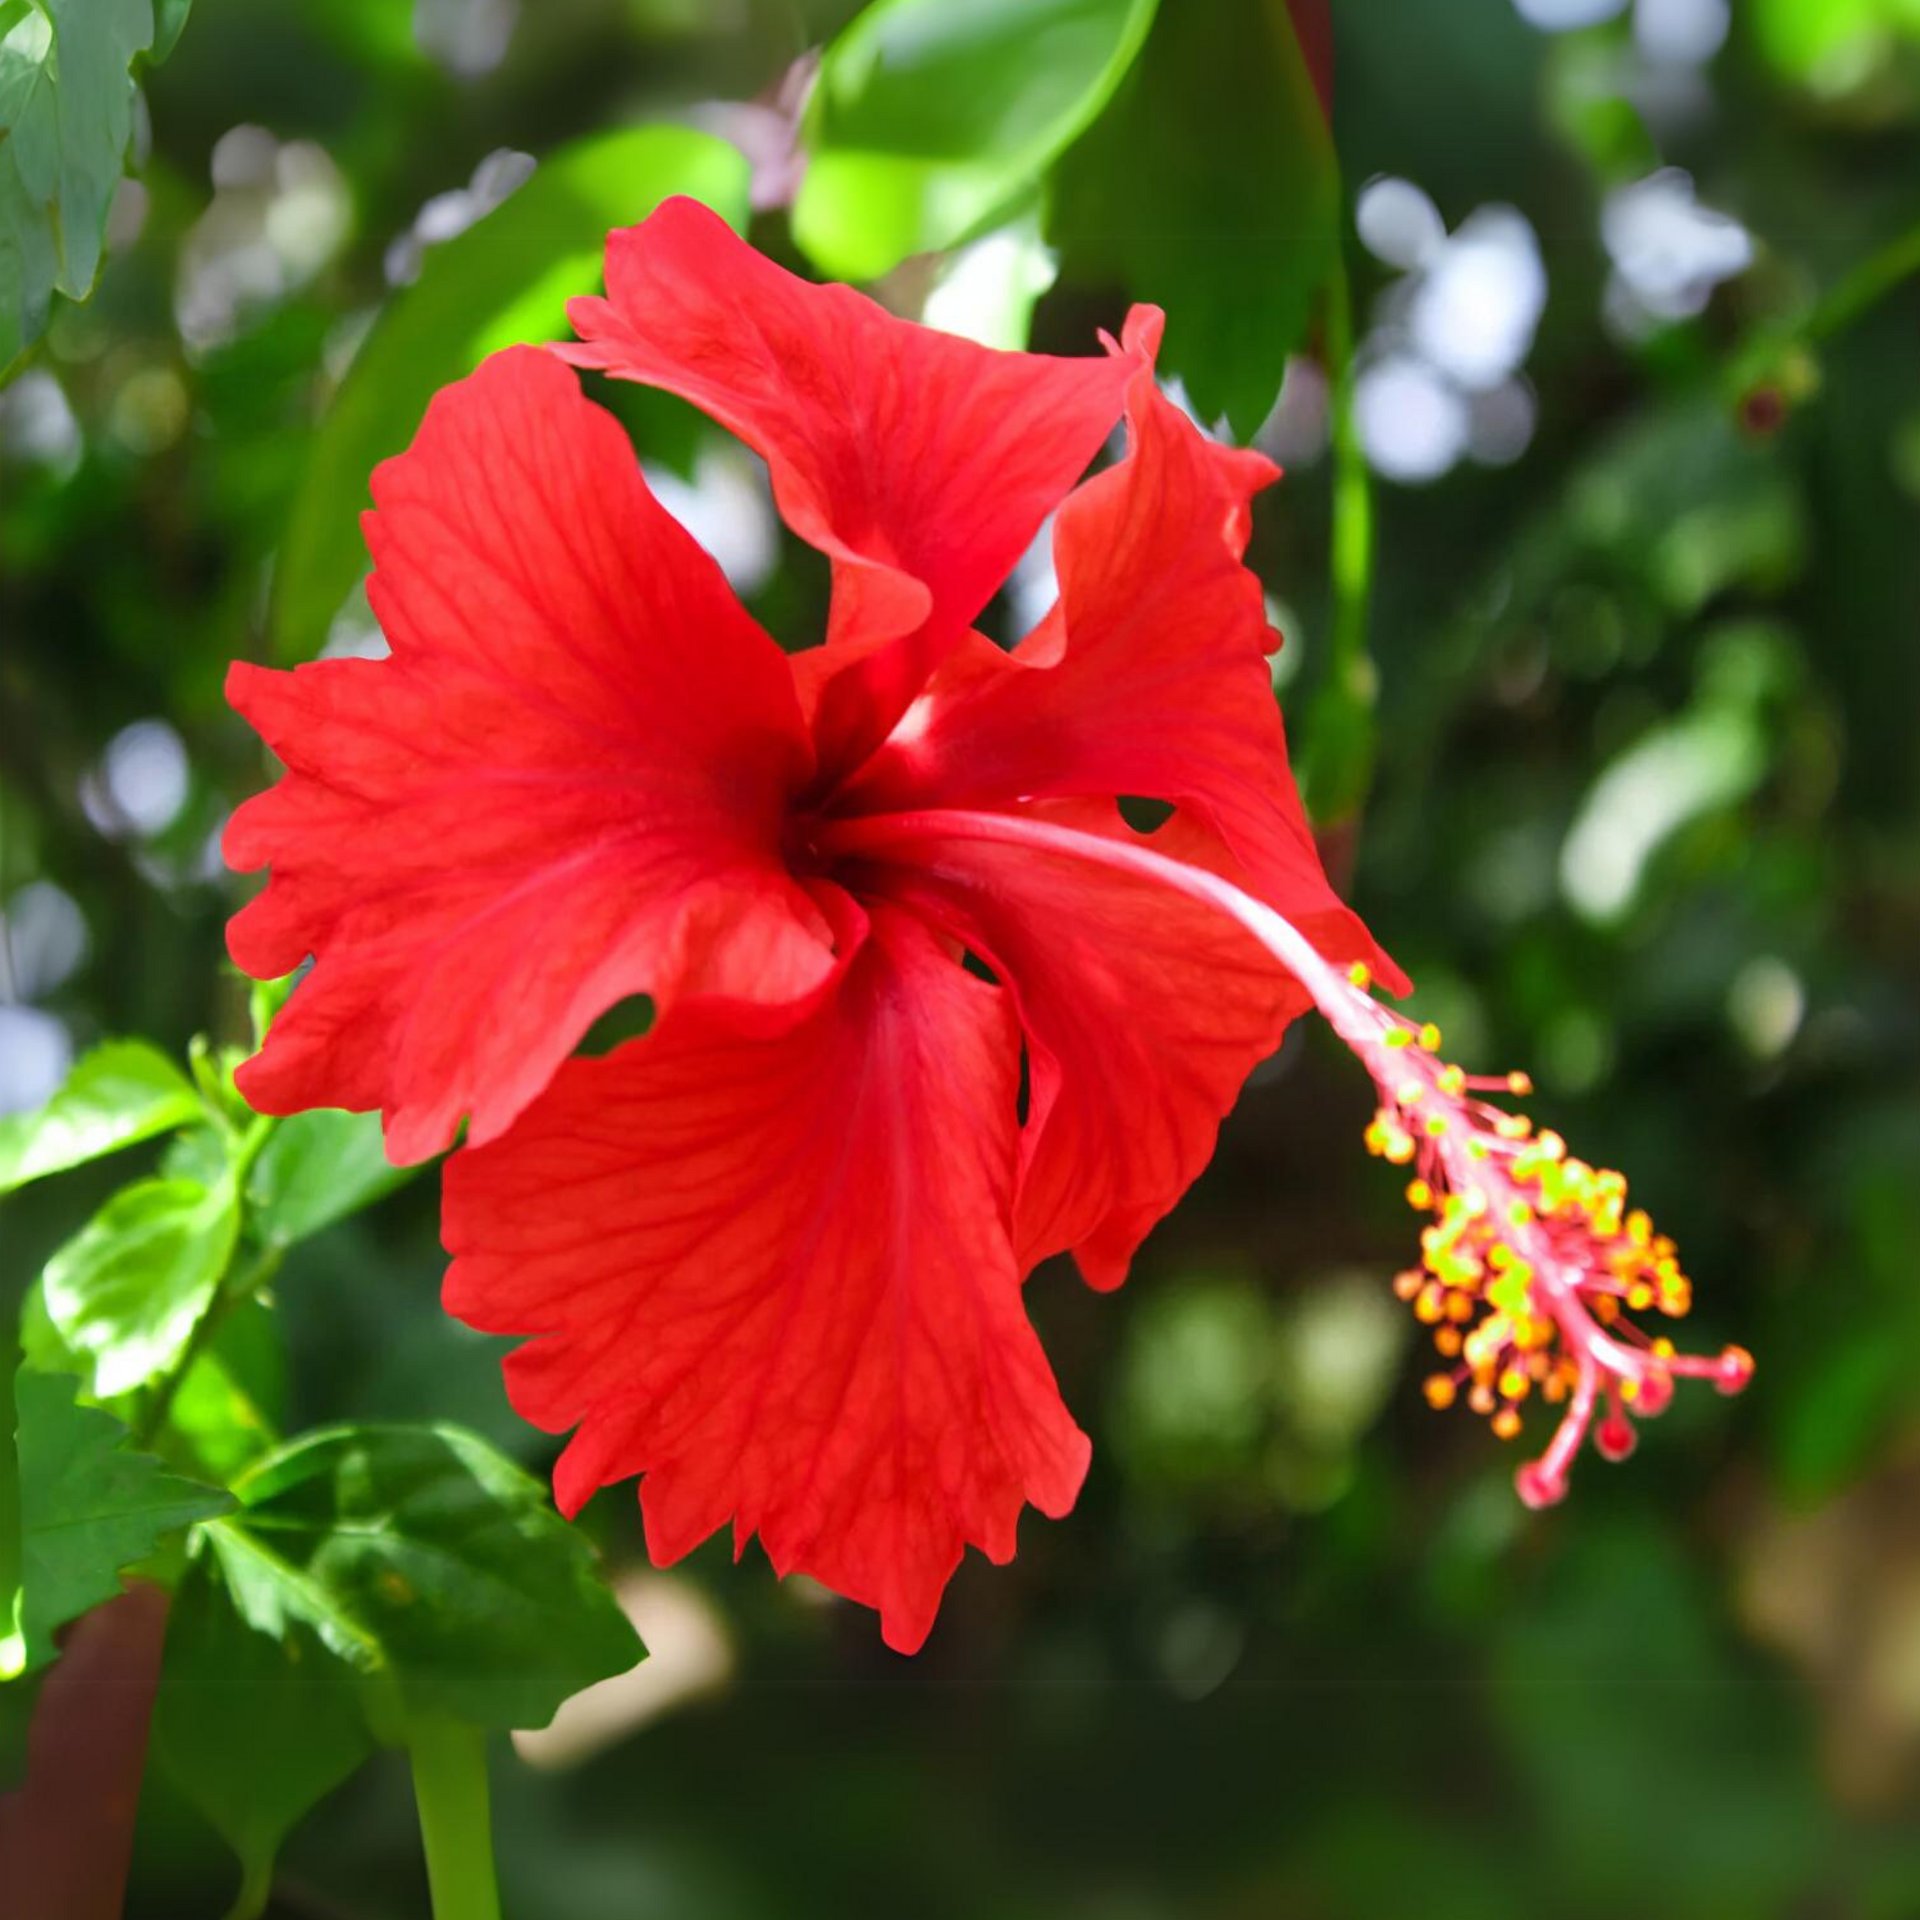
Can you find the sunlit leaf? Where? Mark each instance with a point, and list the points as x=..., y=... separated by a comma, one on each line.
x=987, y=291
x=421, y=1554
x=507, y=279
x=253, y=1727
x=1210, y=188
x=127, y=1291
x=227, y=1408
x=121, y=1092
x=89, y=1506
x=927, y=118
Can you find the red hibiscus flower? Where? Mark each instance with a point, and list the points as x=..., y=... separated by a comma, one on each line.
x=927, y=1010
x=772, y=1253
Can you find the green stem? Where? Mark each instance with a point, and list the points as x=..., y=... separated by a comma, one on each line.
x=256, y=1888
x=1352, y=535
x=1863, y=286
x=450, y=1788
x=1337, y=766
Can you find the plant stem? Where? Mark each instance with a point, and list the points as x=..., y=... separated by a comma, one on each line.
x=1351, y=556
x=1863, y=284
x=1861, y=287
x=256, y=1888
x=450, y=1788
x=1337, y=766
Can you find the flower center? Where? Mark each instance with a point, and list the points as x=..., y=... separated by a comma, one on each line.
x=801, y=844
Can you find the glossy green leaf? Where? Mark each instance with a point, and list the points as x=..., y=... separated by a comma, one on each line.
x=126, y=1291
x=254, y=1728
x=66, y=119
x=507, y=279
x=121, y=1092
x=1210, y=188
x=317, y=1168
x=422, y=1554
x=89, y=1506
x=928, y=118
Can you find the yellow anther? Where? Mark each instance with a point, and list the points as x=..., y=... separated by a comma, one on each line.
x=1447, y=1340
x=1513, y=1126
x=1431, y=1304
x=1480, y=1399
x=1419, y=1194
x=1436, y=1125
x=1629, y=1389
x=1551, y=1146
x=1452, y=1081
x=1360, y=975
x=1439, y=1390
x=1410, y=1092
x=1520, y=1214
x=1430, y=1037
x=1396, y=1037
x=1519, y=1083
x=1408, y=1282
x=1506, y=1423
x=1513, y=1383
x=1663, y=1349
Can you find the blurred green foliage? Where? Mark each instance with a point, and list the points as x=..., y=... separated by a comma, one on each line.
x=1645, y=818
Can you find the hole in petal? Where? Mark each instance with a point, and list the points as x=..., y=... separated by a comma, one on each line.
x=1145, y=815
x=625, y=1020
x=978, y=967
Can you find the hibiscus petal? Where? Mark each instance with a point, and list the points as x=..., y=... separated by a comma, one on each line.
x=776, y=1279
x=565, y=786
x=1144, y=1012
x=1148, y=677
x=920, y=463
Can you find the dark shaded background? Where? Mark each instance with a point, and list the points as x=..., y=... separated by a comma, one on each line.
x=1299, y=1651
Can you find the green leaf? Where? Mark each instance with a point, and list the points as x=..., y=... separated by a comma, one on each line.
x=1210, y=188
x=927, y=118
x=254, y=1728
x=421, y=1553
x=66, y=118
x=317, y=1168
x=121, y=1092
x=127, y=1291
x=507, y=279
x=169, y=16
x=89, y=1506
